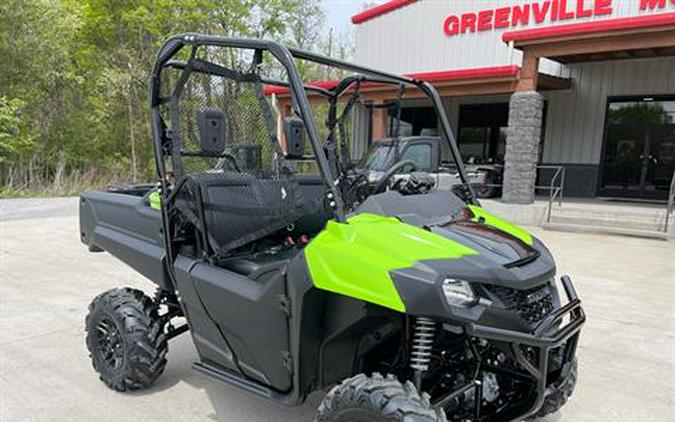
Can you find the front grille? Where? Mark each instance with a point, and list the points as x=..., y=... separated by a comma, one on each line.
x=532, y=305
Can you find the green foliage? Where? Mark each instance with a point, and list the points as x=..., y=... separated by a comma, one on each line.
x=14, y=138
x=73, y=97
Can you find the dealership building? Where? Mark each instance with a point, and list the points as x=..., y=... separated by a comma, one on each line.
x=588, y=85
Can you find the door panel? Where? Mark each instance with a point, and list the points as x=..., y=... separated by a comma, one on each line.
x=249, y=316
x=210, y=343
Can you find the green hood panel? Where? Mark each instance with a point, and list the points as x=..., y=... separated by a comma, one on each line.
x=354, y=258
x=500, y=224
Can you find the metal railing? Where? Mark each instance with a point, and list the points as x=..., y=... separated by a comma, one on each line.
x=554, y=191
x=669, y=207
x=555, y=186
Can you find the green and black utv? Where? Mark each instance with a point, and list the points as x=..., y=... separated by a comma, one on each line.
x=403, y=302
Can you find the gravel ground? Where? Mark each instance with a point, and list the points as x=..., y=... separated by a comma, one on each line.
x=47, y=279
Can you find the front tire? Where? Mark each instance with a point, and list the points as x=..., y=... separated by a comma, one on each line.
x=126, y=339
x=377, y=399
x=559, y=394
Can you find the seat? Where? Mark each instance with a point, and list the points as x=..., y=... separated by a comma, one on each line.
x=238, y=207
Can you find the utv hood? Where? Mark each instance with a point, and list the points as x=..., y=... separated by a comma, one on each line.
x=400, y=260
x=355, y=258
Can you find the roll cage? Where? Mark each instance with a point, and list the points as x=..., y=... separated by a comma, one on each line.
x=300, y=107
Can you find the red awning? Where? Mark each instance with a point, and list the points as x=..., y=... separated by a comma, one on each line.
x=379, y=10
x=436, y=77
x=591, y=28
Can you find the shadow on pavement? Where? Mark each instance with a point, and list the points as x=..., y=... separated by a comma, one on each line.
x=229, y=403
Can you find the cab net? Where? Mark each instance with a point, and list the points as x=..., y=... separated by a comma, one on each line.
x=231, y=178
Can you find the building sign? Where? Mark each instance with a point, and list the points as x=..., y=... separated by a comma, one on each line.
x=552, y=11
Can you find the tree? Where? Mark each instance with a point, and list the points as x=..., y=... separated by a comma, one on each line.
x=74, y=79
x=14, y=139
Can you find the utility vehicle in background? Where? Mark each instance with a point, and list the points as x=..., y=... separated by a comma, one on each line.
x=430, y=154
x=405, y=302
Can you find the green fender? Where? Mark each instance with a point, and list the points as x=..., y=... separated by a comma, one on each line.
x=354, y=258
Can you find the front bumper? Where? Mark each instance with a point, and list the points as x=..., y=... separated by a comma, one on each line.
x=551, y=333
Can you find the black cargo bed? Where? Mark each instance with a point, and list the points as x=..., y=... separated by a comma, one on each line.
x=120, y=221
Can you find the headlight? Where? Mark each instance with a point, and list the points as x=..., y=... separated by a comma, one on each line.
x=458, y=293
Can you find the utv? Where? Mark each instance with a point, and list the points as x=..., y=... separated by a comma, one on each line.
x=404, y=302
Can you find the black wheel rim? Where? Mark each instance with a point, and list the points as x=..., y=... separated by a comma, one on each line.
x=109, y=344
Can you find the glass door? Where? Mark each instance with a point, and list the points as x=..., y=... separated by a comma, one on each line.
x=639, y=150
x=661, y=159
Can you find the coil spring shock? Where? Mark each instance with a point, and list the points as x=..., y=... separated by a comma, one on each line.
x=422, y=345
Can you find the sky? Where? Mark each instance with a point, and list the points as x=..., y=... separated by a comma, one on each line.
x=339, y=12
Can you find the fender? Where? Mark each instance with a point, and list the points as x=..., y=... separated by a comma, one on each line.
x=355, y=258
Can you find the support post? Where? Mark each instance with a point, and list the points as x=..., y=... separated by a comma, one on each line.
x=379, y=122
x=526, y=111
x=529, y=72
x=284, y=110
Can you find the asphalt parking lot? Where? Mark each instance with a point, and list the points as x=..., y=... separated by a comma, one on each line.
x=47, y=279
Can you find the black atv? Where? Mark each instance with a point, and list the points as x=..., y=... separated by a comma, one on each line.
x=405, y=302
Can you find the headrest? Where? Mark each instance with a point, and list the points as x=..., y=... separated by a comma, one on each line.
x=211, y=123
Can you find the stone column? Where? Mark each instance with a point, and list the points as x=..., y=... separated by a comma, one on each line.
x=526, y=111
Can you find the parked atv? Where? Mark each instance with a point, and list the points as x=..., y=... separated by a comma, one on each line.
x=405, y=303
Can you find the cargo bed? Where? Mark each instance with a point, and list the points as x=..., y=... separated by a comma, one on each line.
x=122, y=222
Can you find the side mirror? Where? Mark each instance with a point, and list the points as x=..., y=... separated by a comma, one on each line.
x=294, y=130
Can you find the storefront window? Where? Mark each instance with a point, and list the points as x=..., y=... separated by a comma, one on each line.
x=482, y=132
x=418, y=121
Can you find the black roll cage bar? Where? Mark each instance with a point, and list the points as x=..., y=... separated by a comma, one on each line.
x=300, y=102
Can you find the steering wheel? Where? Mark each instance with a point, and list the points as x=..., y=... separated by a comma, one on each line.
x=358, y=187
x=382, y=183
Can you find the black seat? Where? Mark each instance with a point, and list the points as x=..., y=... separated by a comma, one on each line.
x=240, y=208
x=249, y=203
